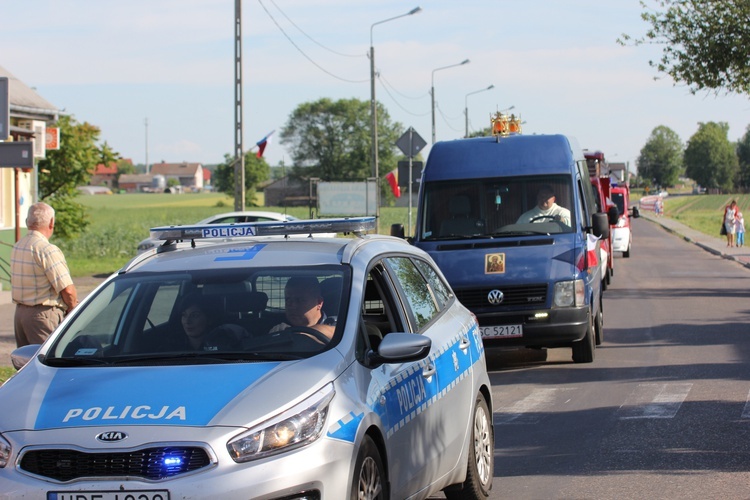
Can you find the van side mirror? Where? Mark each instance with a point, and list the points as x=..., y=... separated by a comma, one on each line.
x=397, y=230
x=636, y=212
x=600, y=225
x=613, y=214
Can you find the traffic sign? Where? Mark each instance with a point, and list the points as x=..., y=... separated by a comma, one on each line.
x=17, y=154
x=411, y=143
x=4, y=108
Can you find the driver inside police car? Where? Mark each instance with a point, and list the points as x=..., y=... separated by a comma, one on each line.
x=303, y=302
x=546, y=209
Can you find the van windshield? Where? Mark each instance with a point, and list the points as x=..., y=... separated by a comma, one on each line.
x=497, y=207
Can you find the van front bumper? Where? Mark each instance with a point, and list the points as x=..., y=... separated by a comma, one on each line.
x=540, y=328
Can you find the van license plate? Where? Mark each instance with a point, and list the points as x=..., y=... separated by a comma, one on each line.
x=109, y=495
x=502, y=331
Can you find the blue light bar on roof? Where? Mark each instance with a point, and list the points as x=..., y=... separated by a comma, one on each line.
x=356, y=225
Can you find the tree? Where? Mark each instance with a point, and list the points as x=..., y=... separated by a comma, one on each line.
x=69, y=167
x=332, y=140
x=743, y=157
x=710, y=158
x=256, y=171
x=660, y=160
x=704, y=43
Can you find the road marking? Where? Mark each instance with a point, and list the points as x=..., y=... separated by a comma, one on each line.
x=529, y=410
x=654, y=401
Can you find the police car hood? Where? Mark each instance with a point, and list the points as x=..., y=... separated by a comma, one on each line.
x=236, y=394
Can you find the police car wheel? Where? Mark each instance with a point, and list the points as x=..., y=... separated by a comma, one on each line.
x=369, y=482
x=481, y=465
x=306, y=330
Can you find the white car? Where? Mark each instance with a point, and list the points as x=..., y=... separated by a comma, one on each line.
x=232, y=218
x=394, y=401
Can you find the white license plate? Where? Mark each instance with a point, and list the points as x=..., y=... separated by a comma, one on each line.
x=501, y=331
x=109, y=495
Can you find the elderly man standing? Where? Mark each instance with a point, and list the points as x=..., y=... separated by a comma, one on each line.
x=41, y=286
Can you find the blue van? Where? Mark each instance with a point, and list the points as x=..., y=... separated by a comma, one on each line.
x=512, y=222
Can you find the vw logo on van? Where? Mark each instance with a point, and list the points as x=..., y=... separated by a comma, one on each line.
x=111, y=436
x=495, y=297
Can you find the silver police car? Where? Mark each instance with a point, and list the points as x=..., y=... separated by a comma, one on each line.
x=316, y=368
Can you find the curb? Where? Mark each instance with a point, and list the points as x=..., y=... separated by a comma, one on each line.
x=707, y=248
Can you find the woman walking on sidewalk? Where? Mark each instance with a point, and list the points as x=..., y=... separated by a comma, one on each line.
x=730, y=213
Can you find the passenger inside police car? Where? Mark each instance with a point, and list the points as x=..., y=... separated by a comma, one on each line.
x=202, y=328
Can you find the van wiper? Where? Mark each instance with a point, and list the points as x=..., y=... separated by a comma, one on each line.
x=519, y=233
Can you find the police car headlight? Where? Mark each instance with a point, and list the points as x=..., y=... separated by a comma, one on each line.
x=296, y=427
x=4, y=452
x=569, y=293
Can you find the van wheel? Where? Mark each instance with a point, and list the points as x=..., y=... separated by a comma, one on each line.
x=481, y=465
x=626, y=253
x=583, y=350
x=369, y=474
x=604, y=284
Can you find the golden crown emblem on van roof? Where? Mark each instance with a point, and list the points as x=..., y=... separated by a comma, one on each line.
x=503, y=125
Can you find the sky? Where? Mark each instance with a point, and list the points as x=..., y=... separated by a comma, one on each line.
x=157, y=76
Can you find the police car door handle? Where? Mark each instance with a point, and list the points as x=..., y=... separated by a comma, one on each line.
x=465, y=343
x=428, y=371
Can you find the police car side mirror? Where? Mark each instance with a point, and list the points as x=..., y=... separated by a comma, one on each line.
x=399, y=348
x=23, y=355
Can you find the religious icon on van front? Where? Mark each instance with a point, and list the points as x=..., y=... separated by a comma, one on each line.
x=494, y=263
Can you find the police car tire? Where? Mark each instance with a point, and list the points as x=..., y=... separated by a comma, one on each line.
x=583, y=350
x=478, y=482
x=369, y=479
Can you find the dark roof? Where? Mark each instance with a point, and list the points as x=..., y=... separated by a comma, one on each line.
x=24, y=100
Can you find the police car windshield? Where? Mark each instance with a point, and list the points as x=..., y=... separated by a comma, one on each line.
x=207, y=316
x=497, y=207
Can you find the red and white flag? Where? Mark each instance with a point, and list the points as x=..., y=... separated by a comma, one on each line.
x=392, y=178
x=263, y=143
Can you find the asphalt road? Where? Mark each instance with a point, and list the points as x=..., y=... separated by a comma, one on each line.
x=662, y=412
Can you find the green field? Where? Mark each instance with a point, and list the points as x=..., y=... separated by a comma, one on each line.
x=6, y=372
x=119, y=222
x=703, y=212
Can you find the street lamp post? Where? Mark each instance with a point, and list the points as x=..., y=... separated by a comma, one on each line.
x=374, y=117
x=432, y=92
x=466, y=105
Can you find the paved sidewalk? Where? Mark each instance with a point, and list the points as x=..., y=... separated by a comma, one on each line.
x=715, y=245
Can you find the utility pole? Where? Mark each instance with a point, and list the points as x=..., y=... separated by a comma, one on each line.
x=239, y=157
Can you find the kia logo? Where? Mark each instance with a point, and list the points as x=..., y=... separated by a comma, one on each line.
x=111, y=436
x=495, y=297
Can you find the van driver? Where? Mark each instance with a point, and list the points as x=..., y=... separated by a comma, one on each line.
x=546, y=209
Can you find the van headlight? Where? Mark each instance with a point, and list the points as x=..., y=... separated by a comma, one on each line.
x=4, y=452
x=569, y=294
x=296, y=427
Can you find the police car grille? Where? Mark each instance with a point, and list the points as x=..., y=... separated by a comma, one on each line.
x=150, y=463
x=513, y=296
